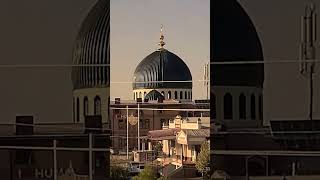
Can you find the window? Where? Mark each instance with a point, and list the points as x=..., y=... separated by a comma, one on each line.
x=175, y=95
x=85, y=106
x=23, y=157
x=134, y=96
x=253, y=107
x=97, y=105
x=122, y=123
x=228, y=114
x=260, y=107
x=78, y=110
x=140, y=94
x=189, y=95
x=73, y=110
x=144, y=94
x=169, y=94
x=242, y=106
x=214, y=107
x=162, y=92
x=144, y=123
x=181, y=97
x=185, y=95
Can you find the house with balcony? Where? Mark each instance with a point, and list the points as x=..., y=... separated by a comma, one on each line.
x=181, y=141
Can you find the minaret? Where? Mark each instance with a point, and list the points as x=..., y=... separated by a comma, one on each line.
x=161, y=44
x=307, y=49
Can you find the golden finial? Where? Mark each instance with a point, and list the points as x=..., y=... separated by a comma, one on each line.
x=161, y=43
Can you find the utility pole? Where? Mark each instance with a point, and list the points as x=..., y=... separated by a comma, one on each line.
x=138, y=127
x=206, y=78
x=307, y=49
x=127, y=133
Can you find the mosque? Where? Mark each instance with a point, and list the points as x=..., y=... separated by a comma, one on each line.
x=239, y=139
x=91, y=78
x=152, y=76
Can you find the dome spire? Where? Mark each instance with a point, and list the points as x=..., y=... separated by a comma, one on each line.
x=161, y=43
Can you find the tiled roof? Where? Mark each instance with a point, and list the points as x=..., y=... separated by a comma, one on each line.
x=198, y=132
x=162, y=133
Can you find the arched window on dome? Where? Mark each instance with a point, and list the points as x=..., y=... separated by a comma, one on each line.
x=253, y=107
x=162, y=92
x=85, y=106
x=73, y=110
x=97, y=105
x=169, y=94
x=227, y=106
x=185, y=95
x=181, y=96
x=242, y=106
x=78, y=110
x=260, y=107
x=214, y=107
x=175, y=95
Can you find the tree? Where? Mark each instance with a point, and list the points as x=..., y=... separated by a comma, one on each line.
x=158, y=148
x=148, y=173
x=203, y=157
x=118, y=173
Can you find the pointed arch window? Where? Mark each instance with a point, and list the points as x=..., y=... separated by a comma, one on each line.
x=242, y=106
x=85, y=106
x=169, y=94
x=253, y=107
x=175, y=95
x=78, y=110
x=181, y=96
x=260, y=107
x=228, y=114
x=213, y=105
x=185, y=95
x=162, y=92
x=97, y=105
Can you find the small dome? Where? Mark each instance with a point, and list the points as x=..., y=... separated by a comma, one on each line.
x=154, y=95
x=234, y=38
x=92, y=47
x=162, y=65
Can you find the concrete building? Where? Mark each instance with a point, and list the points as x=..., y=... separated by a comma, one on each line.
x=151, y=118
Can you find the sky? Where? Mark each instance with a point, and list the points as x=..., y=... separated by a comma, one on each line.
x=135, y=31
x=43, y=32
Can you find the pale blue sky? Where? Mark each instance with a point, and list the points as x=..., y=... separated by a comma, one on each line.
x=135, y=27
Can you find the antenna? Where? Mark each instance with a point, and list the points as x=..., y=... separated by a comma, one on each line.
x=307, y=48
x=206, y=78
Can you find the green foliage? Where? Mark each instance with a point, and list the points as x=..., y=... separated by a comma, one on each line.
x=147, y=174
x=162, y=178
x=158, y=148
x=203, y=157
x=118, y=173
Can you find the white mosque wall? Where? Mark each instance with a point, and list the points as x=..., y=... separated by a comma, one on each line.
x=141, y=93
x=91, y=94
x=235, y=91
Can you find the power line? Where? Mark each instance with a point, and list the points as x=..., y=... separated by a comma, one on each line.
x=226, y=61
x=233, y=61
x=51, y=65
x=266, y=153
x=159, y=109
